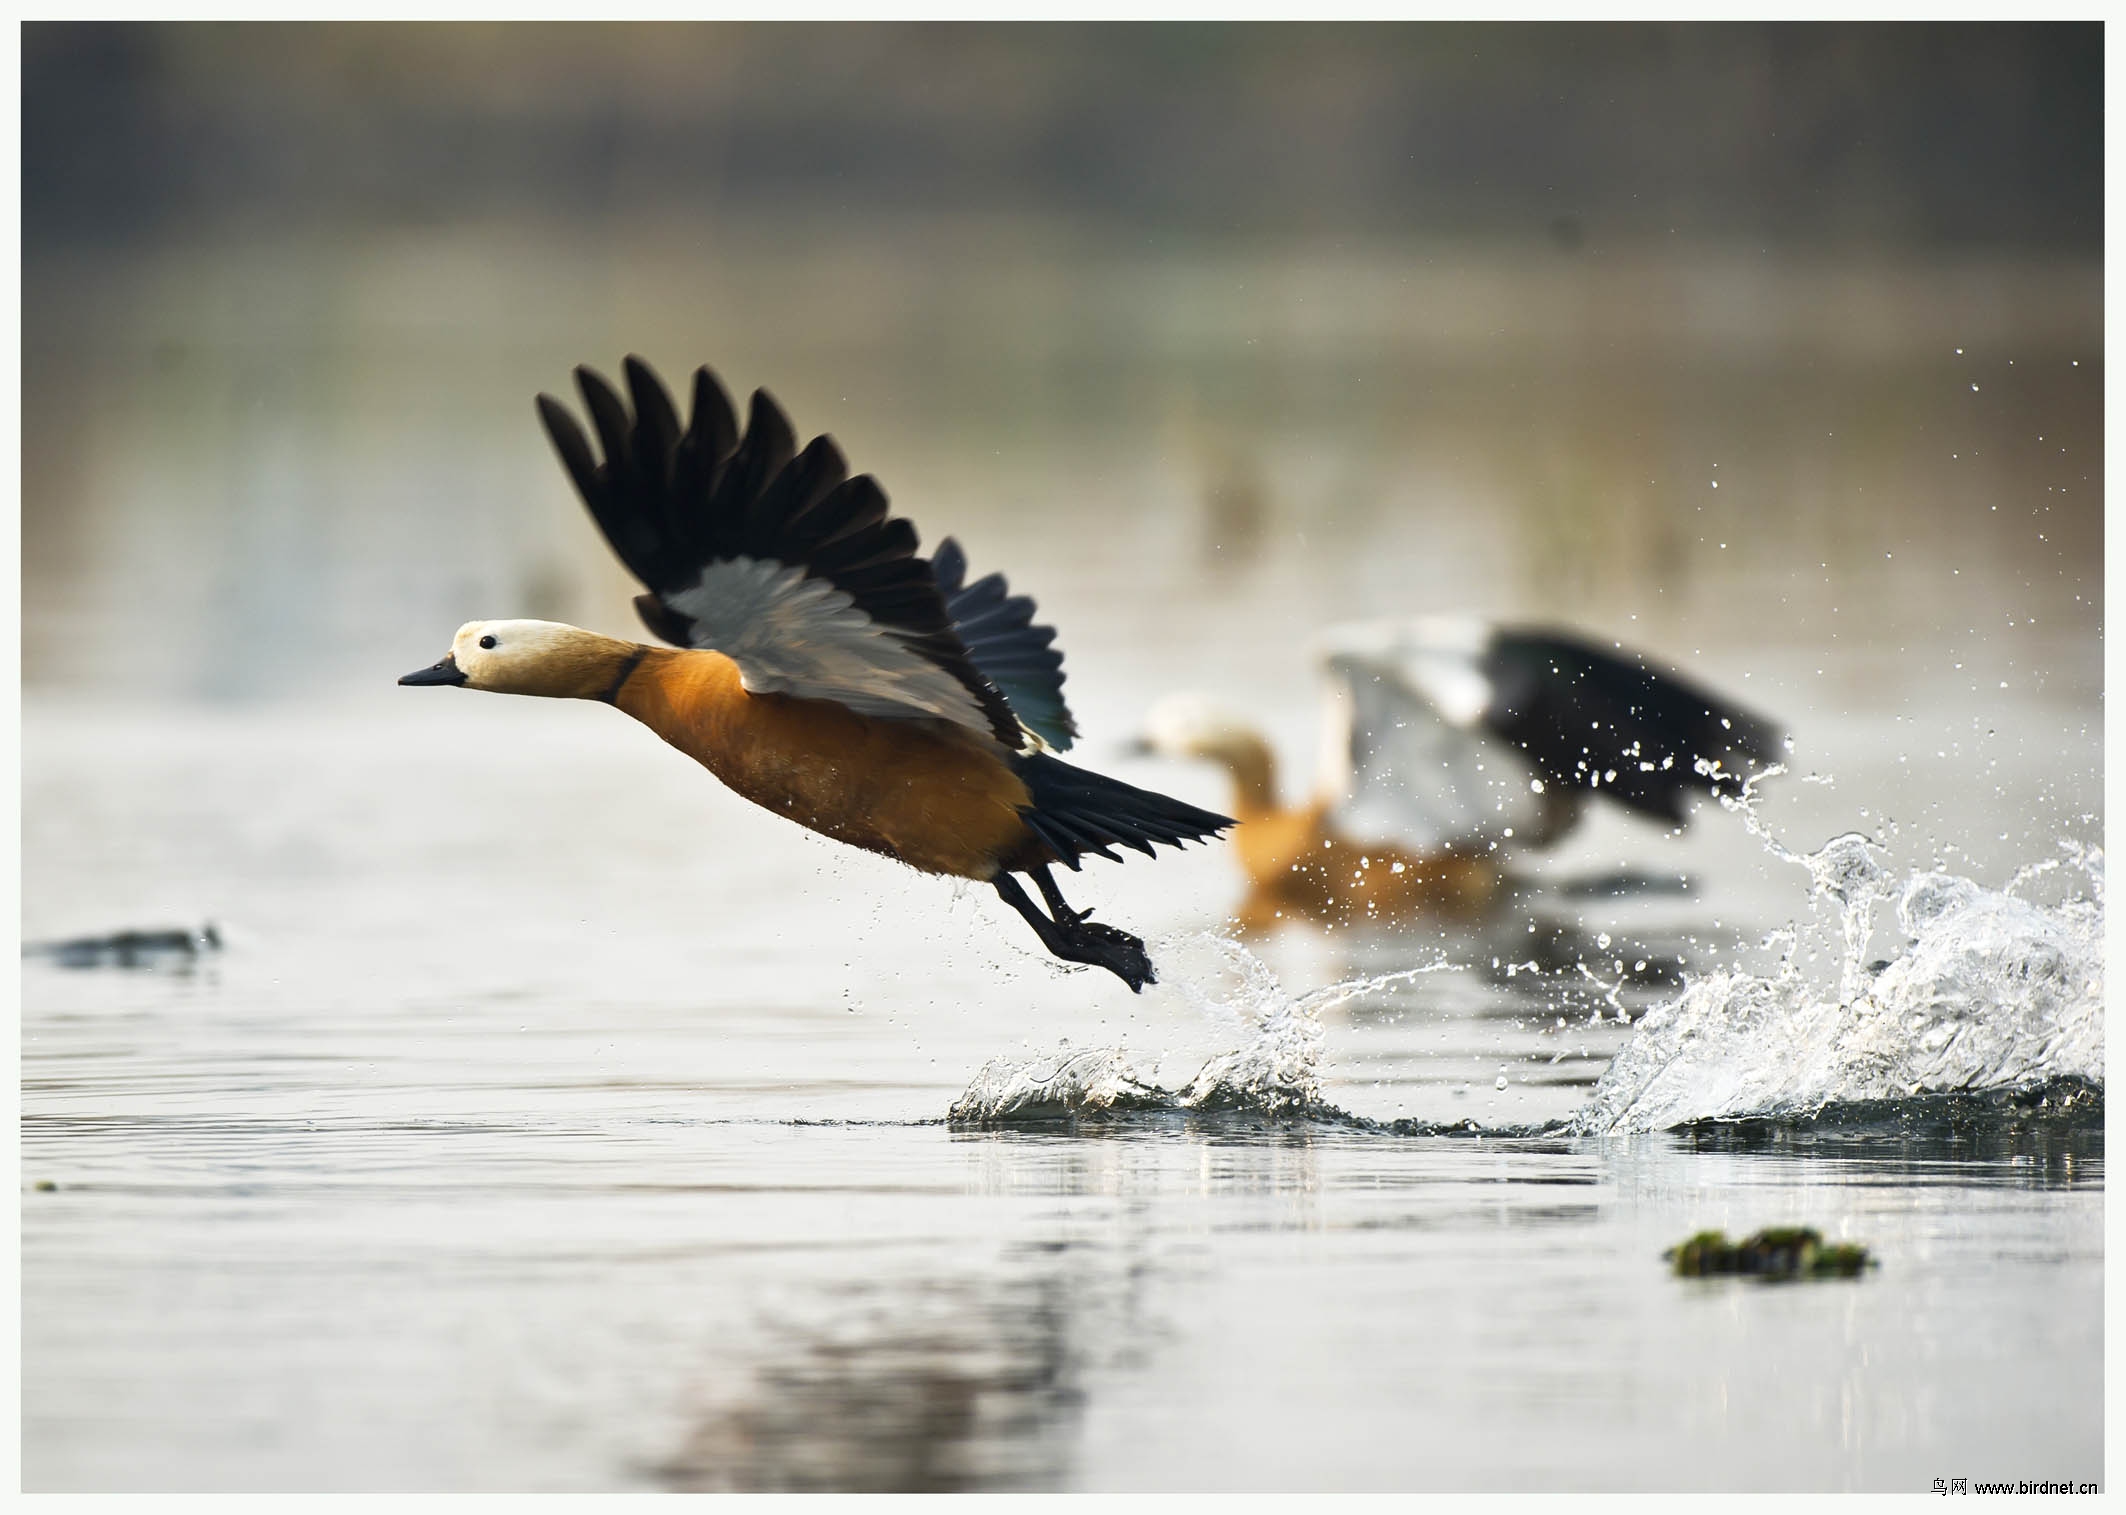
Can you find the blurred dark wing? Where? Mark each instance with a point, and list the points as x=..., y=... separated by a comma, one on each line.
x=1590, y=718
x=997, y=629
x=772, y=556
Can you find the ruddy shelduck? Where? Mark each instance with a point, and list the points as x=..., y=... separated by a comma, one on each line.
x=819, y=665
x=1450, y=746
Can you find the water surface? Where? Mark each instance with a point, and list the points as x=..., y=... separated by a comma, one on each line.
x=554, y=1120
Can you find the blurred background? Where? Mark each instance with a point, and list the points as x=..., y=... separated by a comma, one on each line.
x=1772, y=350
x=518, y=1138
x=1209, y=332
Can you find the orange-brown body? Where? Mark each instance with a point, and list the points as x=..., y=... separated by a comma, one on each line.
x=927, y=792
x=1298, y=869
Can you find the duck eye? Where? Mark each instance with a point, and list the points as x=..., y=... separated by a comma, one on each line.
x=487, y=641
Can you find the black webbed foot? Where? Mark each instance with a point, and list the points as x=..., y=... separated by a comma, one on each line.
x=1118, y=952
x=1076, y=938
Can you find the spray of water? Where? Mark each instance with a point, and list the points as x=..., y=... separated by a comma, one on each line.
x=1275, y=1071
x=1992, y=992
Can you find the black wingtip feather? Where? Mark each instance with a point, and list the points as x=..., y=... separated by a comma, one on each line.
x=635, y=542
x=672, y=502
x=610, y=417
x=1012, y=652
x=769, y=427
x=713, y=425
x=570, y=442
x=1076, y=812
x=949, y=566
x=656, y=423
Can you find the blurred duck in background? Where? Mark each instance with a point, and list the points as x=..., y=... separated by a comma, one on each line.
x=1451, y=746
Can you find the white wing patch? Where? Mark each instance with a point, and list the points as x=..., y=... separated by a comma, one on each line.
x=792, y=635
x=1436, y=658
x=1415, y=767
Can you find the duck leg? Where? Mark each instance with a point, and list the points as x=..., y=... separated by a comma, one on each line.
x=1076, y=938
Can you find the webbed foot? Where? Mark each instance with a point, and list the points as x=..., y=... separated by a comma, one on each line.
x=1118, y=952
x=1076, y=938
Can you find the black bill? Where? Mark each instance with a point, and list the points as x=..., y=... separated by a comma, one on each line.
x=445, y=672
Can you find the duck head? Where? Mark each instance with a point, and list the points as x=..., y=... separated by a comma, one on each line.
x=1193, y=726
x=530, y=657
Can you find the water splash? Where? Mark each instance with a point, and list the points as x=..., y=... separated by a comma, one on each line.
x=1057, y=1086
x=1275, y=1071
x=1993, y=992
x=1847, y=870
x=1995, y=1004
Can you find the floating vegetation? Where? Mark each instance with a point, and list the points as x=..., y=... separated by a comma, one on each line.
x=1777, y=1252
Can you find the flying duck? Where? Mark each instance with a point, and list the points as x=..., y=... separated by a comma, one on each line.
x=818, y=665
x=1450, y=745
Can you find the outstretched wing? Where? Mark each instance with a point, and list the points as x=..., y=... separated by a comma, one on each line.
x=1458, y=731
x=774, y=557
x=1611, y=723
x=997, y=629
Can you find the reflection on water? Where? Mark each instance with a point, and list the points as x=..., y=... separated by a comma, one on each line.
x=618, y=1298
x=553, y=1120
x=545, y=1123
x=920, y=1386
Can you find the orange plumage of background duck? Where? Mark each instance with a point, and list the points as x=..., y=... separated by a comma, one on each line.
x=821, y=668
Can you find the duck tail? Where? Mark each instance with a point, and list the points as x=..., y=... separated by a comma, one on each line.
x=1076, y=811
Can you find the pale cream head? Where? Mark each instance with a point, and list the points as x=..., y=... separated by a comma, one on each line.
x=1193, y=725
x=534, y=657
x=506, y=656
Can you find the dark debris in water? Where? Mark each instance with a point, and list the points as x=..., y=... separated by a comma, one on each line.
x=1226, y=1116
x=2049, y=1135
x=2032, y=1123
x=2056, y=1104
x=1625, y=882
x=1560, y=948
x=1775, y=1253
x=173, y=946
